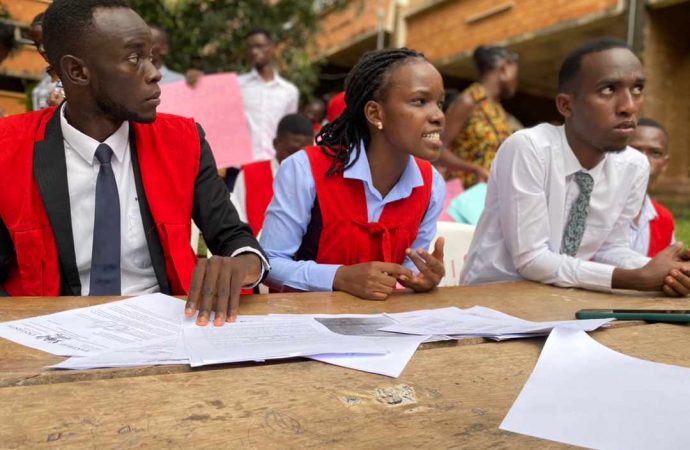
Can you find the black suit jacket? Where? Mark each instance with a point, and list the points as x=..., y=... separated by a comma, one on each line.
x=212, y=211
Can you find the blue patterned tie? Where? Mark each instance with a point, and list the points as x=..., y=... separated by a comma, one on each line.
x=105, y=255
x=575, y=228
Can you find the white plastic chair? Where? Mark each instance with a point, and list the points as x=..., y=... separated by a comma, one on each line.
x=458, y=239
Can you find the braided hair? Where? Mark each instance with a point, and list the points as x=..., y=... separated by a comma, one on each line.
x=366, y=81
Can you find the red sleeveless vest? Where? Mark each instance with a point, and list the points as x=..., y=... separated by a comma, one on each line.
x=660, y=230
x=347, y=236
x=168, y=152
x=258, y=188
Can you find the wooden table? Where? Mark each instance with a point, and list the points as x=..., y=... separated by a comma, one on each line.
x=449, y=396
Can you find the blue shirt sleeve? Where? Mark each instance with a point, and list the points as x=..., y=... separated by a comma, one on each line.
x=286, y=223
x=427, y=229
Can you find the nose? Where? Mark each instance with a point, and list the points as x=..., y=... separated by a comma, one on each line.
x=153, y=75
x=628, y=103
x=437, y=117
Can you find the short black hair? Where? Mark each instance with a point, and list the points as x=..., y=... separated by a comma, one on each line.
x=488, y=57
x=570, y=67
x=296, y=123
x=259, y=30
x=7, y=36
x=66, y=23
x=647, y=122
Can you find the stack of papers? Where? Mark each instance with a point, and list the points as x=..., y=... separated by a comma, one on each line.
x=479, y=321
x=152, y=330
x=583, y=393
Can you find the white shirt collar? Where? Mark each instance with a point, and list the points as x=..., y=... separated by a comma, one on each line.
x=571, y=164
x=254, y=74
x=86, y=146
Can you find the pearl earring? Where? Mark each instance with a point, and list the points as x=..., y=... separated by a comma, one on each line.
x=379, y=126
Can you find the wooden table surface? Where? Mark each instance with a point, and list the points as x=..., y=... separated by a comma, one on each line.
x=449, y=396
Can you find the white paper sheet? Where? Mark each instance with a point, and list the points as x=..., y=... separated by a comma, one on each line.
x=482, y=322
x=139, y=321
x=391, y=364
x=583, y=393
x=272, y=339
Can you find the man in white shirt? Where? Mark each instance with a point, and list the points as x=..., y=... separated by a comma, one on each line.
x=267, y=96
x=560, y=199
x=99, y=194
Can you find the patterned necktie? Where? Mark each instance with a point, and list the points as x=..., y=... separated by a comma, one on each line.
x=105, y=255
x=575, y=228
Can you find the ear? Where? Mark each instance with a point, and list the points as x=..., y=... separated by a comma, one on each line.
x=563, y=104
x=74, y=70
x=373, y=113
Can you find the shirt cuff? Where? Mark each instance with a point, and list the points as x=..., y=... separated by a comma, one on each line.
x=265, y=266
x=595, y=276
x=319, y=278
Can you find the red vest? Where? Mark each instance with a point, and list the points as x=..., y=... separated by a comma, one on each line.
x=347, y=236
x=660, y=230
x=168, y=152
x=258, y=188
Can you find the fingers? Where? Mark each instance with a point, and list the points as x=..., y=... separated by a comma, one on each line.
x=679, y=282
x=669, y=292
x=195, y=289
x=235, y=289
x=224, y=278
x=209, y=290
x=427, y=264
x=438, y=248
x=394, y=270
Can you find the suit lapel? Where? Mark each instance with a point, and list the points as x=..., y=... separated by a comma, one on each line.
x=50, y=172
x=152, y=239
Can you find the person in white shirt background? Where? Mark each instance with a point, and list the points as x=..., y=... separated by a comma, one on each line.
x=561, y=198
x=267, y=96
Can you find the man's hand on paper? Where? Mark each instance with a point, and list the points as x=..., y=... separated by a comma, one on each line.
x=431, y=268
x=370, y=281
x=216, y=287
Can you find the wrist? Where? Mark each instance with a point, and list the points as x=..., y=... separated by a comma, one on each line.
x=636, y=279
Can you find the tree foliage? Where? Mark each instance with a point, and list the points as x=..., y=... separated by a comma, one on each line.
x=209, y=34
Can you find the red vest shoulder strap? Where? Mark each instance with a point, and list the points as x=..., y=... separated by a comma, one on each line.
x=258, y=184
x=169, y=152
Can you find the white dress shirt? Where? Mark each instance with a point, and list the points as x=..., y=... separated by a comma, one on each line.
x=137, y=274
x=640, y=233
x=265, y=103
x=239, y=191
x=531, y=189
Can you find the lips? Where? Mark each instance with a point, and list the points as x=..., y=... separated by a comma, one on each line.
x=155, y=98
x=626, y=126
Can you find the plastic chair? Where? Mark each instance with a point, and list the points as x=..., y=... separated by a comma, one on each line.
x=458, y=239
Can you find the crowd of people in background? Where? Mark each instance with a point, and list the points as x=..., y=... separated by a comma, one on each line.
x=344, y=195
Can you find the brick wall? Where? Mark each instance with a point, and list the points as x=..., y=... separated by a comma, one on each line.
x=357, y=19
x=441, y=31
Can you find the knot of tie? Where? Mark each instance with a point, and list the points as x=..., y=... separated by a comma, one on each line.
x=585, y=182
x=104, y=153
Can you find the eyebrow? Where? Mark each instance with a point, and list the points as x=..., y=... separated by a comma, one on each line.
x=615, y=81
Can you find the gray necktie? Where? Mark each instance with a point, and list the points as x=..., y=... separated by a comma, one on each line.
x=575, y=228
x=105, y=255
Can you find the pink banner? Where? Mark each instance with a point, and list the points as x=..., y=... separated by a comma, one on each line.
x=215, y=103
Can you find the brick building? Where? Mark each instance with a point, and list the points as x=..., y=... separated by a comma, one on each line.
x=25, y=66
x=542, y=32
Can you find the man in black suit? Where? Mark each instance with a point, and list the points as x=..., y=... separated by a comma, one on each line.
x=98, y=195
